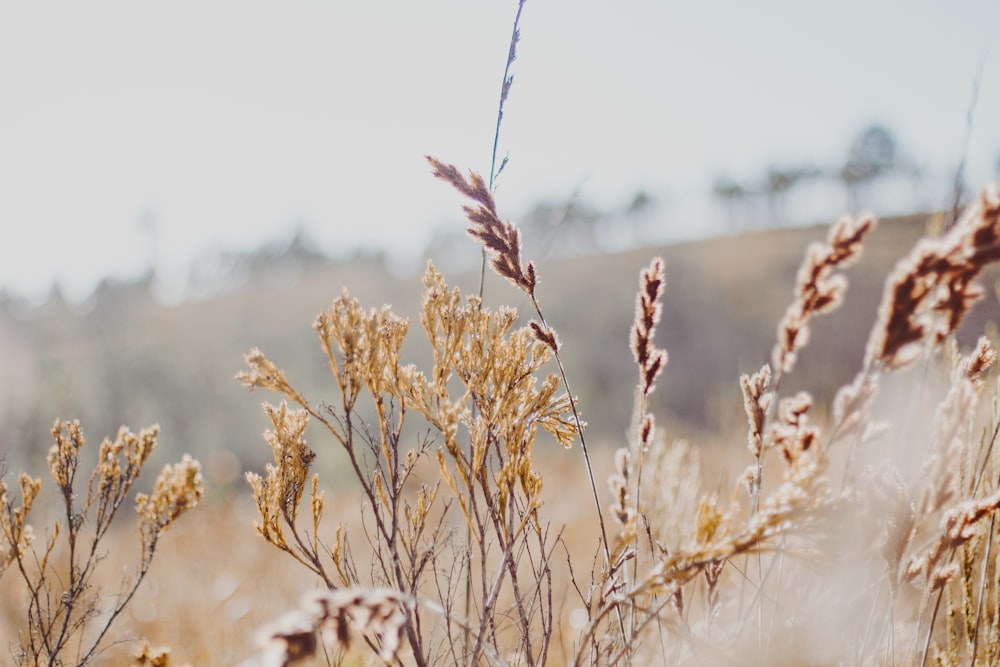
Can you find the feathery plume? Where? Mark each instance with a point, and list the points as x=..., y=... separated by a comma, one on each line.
x=931, y=289
x=818, y=290
x=501, y=238
x=648, y=357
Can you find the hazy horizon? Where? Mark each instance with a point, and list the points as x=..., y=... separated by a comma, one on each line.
x=138, y=135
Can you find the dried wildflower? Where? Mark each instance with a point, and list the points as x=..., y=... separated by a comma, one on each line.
x=499, y=365
x=363, y=347
x=756, y=403
x=648, y=357
x=16, y=533
x=338, y=616
x=941, y=479
x=979, y=362
x=957, y=527
x=621, y=509
x=792, y=432
x=66, y=606
x=800, y=500
x=818, y=289
x=279, y=495
x=545, y=334
x=118, y=467
x=64, y=455
x=178, y=488
x=501, y=238
x=417, y=514
x=930, y=290
x=647, y=432
x=263, y=374
x=627, y=481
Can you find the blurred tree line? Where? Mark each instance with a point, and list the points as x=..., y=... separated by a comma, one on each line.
x=873, y=156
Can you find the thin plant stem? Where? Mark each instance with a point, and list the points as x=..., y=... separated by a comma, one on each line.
x=958, y=188
x=504, y=91
x=982, y=590
x=505, y=85
x=583, y=441
x=587, y=464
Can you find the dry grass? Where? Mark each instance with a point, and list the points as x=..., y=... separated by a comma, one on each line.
x=708, y=583
x=842, y=526
x=66, y=616
x=859, y=527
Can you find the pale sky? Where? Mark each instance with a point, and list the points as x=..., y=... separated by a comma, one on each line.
x=221, y=124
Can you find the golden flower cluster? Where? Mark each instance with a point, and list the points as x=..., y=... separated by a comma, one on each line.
x=178, y=488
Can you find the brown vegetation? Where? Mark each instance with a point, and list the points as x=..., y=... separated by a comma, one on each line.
x=66, y=615
x=857, y=528
x=872, y=518
x=724, y=575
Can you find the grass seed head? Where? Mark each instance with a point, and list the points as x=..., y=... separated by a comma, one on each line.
x=502, y=239
x=649, y=358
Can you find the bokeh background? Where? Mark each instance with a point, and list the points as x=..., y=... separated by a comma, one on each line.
x=180, y=183
x=184, y=182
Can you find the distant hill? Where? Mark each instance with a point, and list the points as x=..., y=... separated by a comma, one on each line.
x=129, y=360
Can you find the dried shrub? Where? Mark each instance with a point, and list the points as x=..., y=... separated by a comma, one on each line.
x=690, y=573
x=842, y=541
x=68, y=615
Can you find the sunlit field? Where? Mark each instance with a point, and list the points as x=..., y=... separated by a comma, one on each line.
x=773, y=448
x=468, y=519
